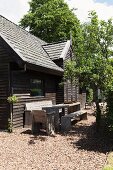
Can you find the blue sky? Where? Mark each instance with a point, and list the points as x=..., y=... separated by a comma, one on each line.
x=110, y=2
x=15, y=9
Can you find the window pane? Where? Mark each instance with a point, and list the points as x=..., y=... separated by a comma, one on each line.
x=37, y=87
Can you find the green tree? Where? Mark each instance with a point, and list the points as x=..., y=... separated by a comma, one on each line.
x=92, y=62
x=50, y=20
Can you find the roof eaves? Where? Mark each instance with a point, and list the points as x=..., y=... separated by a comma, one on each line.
x=16, y=50
x=56, y=68
x=33, y=66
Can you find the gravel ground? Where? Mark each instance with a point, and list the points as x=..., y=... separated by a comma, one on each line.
x=80, y=149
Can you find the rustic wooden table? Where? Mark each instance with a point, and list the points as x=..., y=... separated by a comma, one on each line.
x=57, y=111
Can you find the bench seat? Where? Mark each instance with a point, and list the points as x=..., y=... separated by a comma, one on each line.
x=67, y=119
x=29, y=107
x=35, y=115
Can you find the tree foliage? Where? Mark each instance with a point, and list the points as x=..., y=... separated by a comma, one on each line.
x=93, y=67
x=50, y=20
x=109, y=114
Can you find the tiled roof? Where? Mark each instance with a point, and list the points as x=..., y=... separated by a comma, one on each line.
x=54, y=50
x=28, y=47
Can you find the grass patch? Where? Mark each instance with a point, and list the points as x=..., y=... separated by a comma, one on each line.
x=109, y=165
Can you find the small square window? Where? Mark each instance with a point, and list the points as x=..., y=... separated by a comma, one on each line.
x=37, y=87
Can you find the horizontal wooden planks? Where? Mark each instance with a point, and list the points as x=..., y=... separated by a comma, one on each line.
x=19, y=109
x=4, y=113
x=4, y=88
x=60, y=94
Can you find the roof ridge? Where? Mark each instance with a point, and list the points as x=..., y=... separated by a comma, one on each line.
x=19, y=27
x=55, y=43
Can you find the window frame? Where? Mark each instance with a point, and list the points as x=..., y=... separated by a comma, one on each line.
x=42, y=87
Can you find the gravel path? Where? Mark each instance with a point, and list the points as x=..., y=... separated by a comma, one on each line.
x=80, y=149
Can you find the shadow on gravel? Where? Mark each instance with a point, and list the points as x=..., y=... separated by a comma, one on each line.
x=86, y=138
x=34, y=138
x=41, y=135
x=27, y=132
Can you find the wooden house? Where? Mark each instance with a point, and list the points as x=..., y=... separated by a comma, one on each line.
x=30, y=69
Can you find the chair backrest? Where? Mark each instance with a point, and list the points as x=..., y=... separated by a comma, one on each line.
x=39, y=116
x=38, y=105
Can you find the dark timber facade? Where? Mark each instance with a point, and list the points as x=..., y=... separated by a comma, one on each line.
x=26, y=60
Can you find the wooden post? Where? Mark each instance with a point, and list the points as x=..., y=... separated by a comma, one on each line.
x=50, y=129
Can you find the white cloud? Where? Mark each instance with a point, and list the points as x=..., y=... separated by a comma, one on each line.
x=15, y=9
x=103, y=10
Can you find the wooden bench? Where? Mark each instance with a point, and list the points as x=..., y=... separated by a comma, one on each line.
x=35, y=116
x=29, y=107
x=66, y=120
x=38, y=105
x=43, y=120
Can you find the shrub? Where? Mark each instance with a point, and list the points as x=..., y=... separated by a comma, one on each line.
x=109, y=111
x=12, y=99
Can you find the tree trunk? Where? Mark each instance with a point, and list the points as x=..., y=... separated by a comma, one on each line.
x=98, y=111
x=71, y=90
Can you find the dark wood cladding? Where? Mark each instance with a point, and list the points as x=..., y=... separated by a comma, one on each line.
x=70, y=89
x=4, y=88
x=19, y=109
x=21, y=88
x=60, y=92
x=20, y=82
x=15, y=80
x=64, y=93
x=51, y=96
x=18, y=112
x=19, y=79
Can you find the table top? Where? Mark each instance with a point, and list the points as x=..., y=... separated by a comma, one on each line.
x=62, y=105
x=56, y=106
